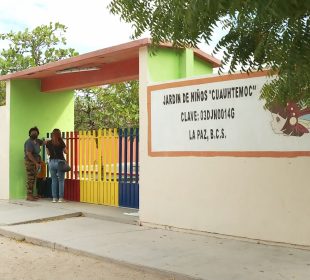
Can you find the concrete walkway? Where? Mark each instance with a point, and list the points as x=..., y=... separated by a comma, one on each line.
x=106, y=232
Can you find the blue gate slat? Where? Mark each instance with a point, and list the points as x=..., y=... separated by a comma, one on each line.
x=136, y=201
x=131, y=194
x=128, y=177
x=136, y=204
x=131, y=155
x=131, y=189
x=137, y=156
x=120, y=166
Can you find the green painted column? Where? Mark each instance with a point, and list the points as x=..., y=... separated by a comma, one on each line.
x=186, y=63
x=29, y=107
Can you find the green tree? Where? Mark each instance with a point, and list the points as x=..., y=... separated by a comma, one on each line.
x=267, y=33
x=111, y=106
x=98, y=107
x=29, y=48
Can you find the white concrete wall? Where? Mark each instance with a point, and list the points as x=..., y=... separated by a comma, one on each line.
x=4, y=146
x=258, y=198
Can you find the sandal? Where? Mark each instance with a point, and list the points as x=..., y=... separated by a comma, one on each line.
x=31, y=198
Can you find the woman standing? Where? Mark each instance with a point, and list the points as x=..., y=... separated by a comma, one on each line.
x=56, y=149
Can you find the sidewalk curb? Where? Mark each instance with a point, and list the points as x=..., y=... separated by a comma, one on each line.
x=55, y=246
x=111, y=219
x=47, y=219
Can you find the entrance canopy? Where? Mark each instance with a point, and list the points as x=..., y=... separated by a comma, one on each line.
x=110, y=65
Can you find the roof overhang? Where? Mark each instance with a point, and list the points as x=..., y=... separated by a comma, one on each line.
x=110, y=65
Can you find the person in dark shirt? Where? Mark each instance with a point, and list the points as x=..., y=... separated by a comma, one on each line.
x=56, y=148
x=32, y=160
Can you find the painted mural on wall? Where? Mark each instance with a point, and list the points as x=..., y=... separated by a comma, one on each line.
x=224, y=115
x=290, y=120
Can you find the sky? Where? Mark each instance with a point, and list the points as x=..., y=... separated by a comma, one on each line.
x=90, y=24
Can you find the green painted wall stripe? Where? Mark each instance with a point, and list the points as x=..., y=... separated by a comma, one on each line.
x=172, y=64
x=29, y=107
x=201, y=67
x=163, y=65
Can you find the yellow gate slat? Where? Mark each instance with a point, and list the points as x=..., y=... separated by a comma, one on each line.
x=115, y=167
x=100, y=183
x=98, y=166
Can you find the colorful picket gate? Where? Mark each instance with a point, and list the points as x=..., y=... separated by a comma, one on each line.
x=104, y=167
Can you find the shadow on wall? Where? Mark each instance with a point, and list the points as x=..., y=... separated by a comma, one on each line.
x=2, y=93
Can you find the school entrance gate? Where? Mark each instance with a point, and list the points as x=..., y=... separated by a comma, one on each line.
x=104, y=167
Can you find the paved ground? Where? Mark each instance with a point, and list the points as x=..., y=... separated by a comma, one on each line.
x=22, y=261
x=21, y=211
x=195, y=256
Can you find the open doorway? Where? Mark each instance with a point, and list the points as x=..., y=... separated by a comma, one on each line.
x=103, y=149
x=109, y=106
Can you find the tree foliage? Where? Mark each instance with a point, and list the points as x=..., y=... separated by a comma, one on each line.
x=99, y=107
x=35, y=47
x=29, y=48
x=112, y=106
x=266, y=33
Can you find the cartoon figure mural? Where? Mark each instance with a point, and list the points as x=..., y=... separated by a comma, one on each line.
x=290, y=120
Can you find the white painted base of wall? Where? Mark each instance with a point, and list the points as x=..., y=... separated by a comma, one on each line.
x=223, y=236
x=258, y=198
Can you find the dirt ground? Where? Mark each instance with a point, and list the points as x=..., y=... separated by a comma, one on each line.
x=20, y=260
